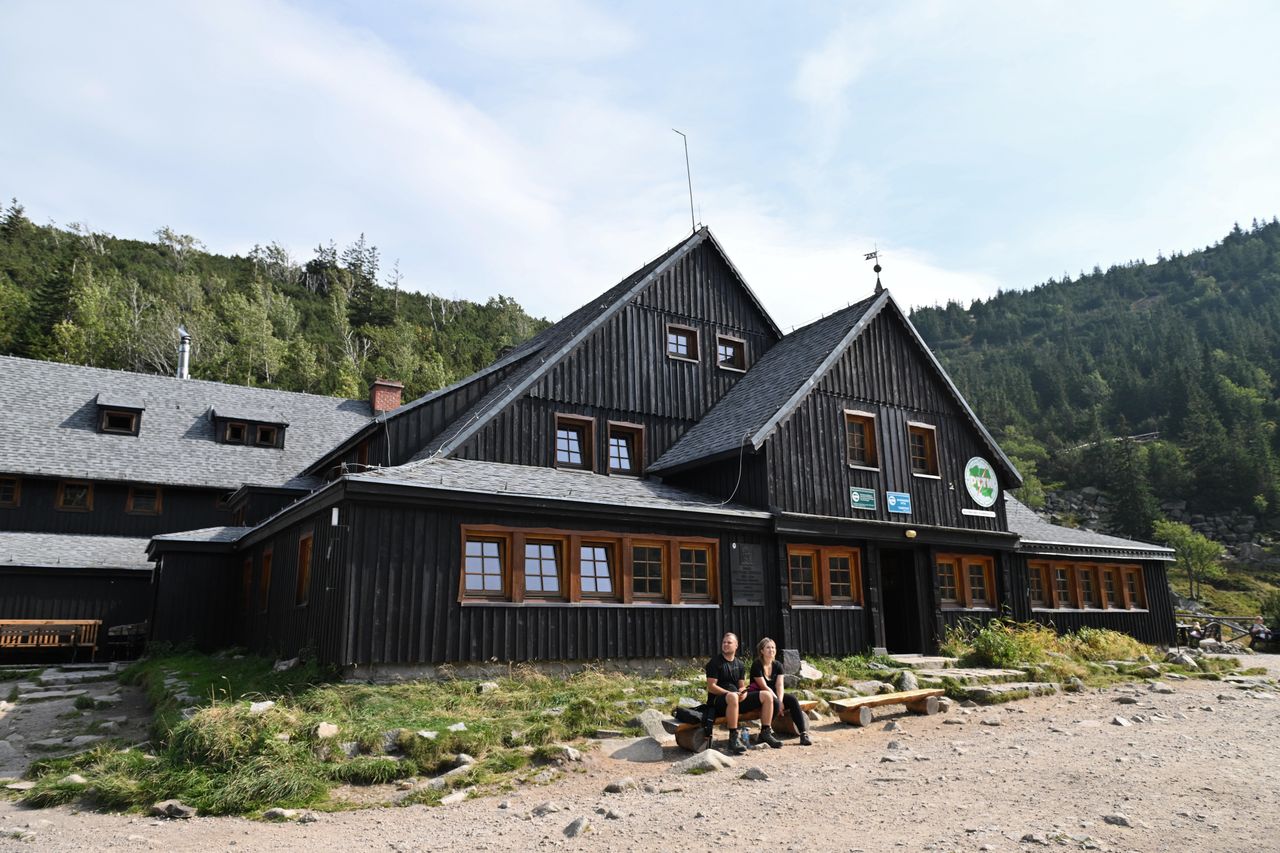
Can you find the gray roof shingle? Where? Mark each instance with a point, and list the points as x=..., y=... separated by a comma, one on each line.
x=68, y=551
x=466, y=475
x=48, y=427
x=1038, y=535
x=789, y=366
x=205, y=534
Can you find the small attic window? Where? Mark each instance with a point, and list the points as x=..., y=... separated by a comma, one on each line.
x=118, y=415
x=267, y=436
x=264, y=430
x=235, y=433
x=682, y=342
x=731, y=353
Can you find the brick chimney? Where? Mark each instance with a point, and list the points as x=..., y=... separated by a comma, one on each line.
x=384, y=395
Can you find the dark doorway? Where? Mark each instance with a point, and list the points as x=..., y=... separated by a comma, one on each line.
x=903, y=630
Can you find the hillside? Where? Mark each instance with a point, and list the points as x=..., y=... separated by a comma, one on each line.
x=1186, y=348
x=327, y=326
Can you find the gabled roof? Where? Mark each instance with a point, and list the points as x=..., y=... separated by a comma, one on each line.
x=49, y=420
x=68, y=551
x=551, y=484
x=775, y=386
x=559, y=340
x=1038, y=536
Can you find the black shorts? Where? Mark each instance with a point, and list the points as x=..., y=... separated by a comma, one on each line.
x=721, y=703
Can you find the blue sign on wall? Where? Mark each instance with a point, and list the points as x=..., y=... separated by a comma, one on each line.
x=899, y=502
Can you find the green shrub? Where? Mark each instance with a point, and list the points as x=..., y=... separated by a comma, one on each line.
x=1098, y=644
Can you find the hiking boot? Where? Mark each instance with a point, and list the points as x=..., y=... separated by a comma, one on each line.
x=736, y=746
x=805, y=740
x=767, y=736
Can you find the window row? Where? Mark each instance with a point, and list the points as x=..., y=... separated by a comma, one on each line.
x=861, y=446
x=503, y=564
x=682, y=345
x=1086, y=586
x=966, y=581
x=576, y=445
x=827, y=576
x=77, y=496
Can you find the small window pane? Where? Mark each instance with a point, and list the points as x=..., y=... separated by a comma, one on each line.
x=947, y=582
x=622, y=451
x=1036, y=577
x=1109, y=586
x=483, y=566
x=542, y=568
x=730, y=353
x=680, y=343
x=802, y=578
x=978, y=584
x=1062, y=586
x=569, y=441
x=840, y=573
x=859, y=441
x=594, y=569
x=1086, y=588
x=694, y=573
x=75, y=496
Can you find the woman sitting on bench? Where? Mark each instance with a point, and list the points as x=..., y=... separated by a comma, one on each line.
x=1259, y=631
x=767, y=677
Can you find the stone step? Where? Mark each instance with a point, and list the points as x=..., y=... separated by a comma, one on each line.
x=1035, y=688
x=925, y=661
x=970, y=676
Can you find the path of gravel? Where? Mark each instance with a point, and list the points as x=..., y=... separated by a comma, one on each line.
x=1201, y=773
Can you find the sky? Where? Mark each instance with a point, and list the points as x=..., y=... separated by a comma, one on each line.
x=526, y=148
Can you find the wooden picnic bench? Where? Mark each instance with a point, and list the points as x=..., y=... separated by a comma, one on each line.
x=74, y=634
x=691, y=736
x=857, y=711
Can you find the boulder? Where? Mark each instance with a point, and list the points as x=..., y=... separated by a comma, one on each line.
x=907, y=680
x=174, y=809
x=703, y=762
x=651, y=721
x=580, y=826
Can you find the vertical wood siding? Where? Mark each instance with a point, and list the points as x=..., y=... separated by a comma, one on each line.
x=195, y=600
x=742, y=480
x=883, y=373
x=181, y=509
x=115, y=597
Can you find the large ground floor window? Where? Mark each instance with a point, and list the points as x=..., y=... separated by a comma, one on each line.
x=822, y=575
x=1062, y=585
x=527, y=564
x=966, y=581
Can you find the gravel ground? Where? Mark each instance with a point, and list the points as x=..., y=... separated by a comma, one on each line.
x=1196, y=770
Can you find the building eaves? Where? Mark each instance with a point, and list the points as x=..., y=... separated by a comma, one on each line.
x=1038, y=536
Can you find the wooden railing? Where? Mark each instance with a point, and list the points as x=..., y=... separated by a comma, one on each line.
x=74, y=634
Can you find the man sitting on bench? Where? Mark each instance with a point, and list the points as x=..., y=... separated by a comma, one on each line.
x=727, y=694
x=1258, y=631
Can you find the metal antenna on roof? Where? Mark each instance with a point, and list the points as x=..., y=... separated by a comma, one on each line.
x=875, y=256
x=693, y=223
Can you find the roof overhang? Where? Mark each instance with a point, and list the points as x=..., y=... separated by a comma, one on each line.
x=790, y=523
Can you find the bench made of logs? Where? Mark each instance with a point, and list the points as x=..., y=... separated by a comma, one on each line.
x=690, y=736
x=857, y=711
x=74, y=634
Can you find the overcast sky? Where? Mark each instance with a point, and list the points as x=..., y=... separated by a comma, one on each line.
x=525, y=148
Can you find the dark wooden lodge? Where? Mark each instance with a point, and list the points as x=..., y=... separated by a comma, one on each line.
x=660, y=466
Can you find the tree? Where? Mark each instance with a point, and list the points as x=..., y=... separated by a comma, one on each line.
x=1195, y=553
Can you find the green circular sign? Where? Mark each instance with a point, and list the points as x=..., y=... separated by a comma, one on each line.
x=980, y=480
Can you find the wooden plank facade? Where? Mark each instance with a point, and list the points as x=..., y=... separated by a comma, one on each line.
x=440, y=534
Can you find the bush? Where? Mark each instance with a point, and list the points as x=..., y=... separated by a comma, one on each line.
x=1099, y=644
x=1001, y=643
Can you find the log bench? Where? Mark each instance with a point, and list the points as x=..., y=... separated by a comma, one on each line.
x=691, y=737
x=74, y=634
x=857, y=711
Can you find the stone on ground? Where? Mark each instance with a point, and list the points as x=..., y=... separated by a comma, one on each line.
x=619, y=785
x=581, y=826
x=755, y=774
x=703, y=762
x=173, y=808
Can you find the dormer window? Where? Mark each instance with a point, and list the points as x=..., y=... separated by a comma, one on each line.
x=682, y=342
x=261, y=429
x=625, y=448
x=118, y=415
x=574, y=445
x=924, y=449
x=731, y=353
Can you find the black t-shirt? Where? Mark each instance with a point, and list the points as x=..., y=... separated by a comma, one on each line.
x=775, y=671
x=727, y=673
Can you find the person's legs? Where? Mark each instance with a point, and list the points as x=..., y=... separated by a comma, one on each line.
x=795, y=712
x=731, y=710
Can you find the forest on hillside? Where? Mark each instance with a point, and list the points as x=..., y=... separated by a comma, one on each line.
x=1183, y=352
x=326, y=326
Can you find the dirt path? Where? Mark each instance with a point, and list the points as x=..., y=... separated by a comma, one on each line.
x=1201, y=773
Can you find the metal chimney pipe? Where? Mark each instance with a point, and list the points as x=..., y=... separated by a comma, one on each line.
x=184, y=354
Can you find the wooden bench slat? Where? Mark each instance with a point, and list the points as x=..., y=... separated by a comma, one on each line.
x=857, y=711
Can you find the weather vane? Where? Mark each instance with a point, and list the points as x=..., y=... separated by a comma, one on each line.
x=875, y=256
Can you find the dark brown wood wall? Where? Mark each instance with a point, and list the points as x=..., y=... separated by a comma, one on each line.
x=1156, y=625
x=181, y=509
x=195, y=597
x=741, y=479
x=885, y=374
x=403, y=606
x=285, y=628
x=117, y=597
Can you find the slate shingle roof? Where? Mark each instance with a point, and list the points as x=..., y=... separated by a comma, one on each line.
x=48, y=427
x=205, y=534
x=495, y=478
x=792, y=365
x=1040, y=536
x=67, y=551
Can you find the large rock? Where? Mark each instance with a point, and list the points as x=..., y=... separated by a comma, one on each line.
x=651, y=721
x=907, y=680
x=641, y=749
x=1151, y=670
x=703, y=762
x=173, y=808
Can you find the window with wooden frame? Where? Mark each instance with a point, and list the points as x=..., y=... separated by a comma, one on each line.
x=267, y=435
x=860, y=439
x=1063, y=588
x=626, y=448
x=235, y=432
x=1135, y=592
x=246, y=583
x=362, y=454
x=1087, y=580
x=923, y=445
x=1090, y=586
x=10, y=492
x=597, y=566
x=119, y=422
x=649, y=570
x=966, y=581
x=484, y=566
x=731, y=353
x=682, y=342
x=827, y=576
x=574, y=443
x=75, y=496
x=1111, y=594
x=1038, y=583
x=264, y=584
x=144, y=500
x=306, y=548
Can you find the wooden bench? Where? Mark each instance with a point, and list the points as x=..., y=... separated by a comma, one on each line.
x=690, y=736
x=857, y=711
x=74, y=634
